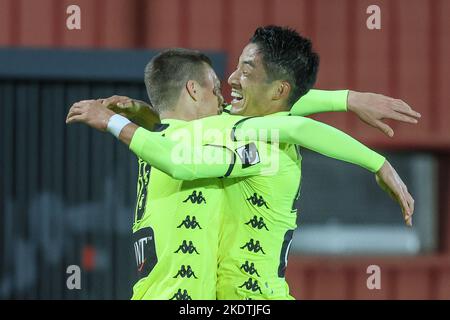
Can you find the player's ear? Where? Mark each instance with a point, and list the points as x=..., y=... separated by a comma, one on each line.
x=282, y=90
x=192, y=89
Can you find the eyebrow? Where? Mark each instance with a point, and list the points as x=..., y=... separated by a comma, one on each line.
x=249, y=62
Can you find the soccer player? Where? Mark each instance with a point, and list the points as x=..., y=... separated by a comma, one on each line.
x=256, y=81
x=191, y=223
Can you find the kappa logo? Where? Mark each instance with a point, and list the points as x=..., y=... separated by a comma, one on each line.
x=185, y=272
x=253, y=246
x=196, y=199
x=257, y=224
x=190, y=224
x=250, y=269
x=251, y=285
x=187, y=248
x=249, y=155
x=181, y=295
x=257, y=200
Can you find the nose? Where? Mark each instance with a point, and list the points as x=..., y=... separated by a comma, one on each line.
x=233, y=80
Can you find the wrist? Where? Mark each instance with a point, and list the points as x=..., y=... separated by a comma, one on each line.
x=116, y=123
x=383, y=168
x=351, y=97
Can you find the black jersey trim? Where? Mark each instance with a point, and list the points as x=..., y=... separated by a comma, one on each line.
x=233, y=137
x=160, y=127
x=233, y=161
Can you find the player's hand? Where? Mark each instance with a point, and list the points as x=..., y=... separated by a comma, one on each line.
x=372, y=108
x=122, y=105
x=388, y=179
x=90, y=112
x=137, y=111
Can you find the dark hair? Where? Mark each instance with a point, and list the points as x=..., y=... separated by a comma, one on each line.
x=167, y=73
x=286, y=55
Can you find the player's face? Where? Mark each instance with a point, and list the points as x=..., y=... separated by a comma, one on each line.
x=211, y=99
x=251, y=88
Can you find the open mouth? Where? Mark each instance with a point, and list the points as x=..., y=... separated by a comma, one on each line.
x=237, y=98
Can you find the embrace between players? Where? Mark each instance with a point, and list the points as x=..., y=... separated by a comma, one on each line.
x=222, y=229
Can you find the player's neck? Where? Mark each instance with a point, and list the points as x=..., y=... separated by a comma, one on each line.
x=185, y=109
x=178, y=113
x=271, y=109
x=281, y=106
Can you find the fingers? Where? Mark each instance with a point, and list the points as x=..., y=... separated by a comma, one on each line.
x=403, y=107
x=74, y=110
x=115, y=100
x=125, y=105
x=407, y=204
x=120, y=106
x=390, y=181
x=108, y=102
x=81, y=104
x=410, y=201
x=387, y=130
x=395, y=186
x=403, y=204
x=84, y=102
x=403, y=118
x=409, y=222
x=406, y=200
x=75, y=118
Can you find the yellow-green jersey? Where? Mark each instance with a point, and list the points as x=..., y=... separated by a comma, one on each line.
x=177, y=220
x=175, y=233
x=260, y=216
x=256, y=222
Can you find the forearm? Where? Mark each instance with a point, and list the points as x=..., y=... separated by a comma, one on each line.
x=127, y=133
x=315, y=136
x=164, y=154
x=316, y=101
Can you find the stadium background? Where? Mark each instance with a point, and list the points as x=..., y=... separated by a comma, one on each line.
x=67, y=194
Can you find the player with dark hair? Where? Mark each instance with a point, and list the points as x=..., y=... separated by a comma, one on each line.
x=289, y=64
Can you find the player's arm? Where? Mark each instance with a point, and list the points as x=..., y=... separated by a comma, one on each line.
x=310, y=134
x=187, y=161
x=330, y=142
x=369, y=107
x=317, y=101
x=159, y=151
x=137, y=111
x=180, y=160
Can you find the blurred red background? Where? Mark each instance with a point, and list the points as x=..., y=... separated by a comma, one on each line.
x=408, y=59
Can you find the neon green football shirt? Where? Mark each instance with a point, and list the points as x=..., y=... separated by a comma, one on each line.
x=177, y=219
x=175, y=232
x=252, y=229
